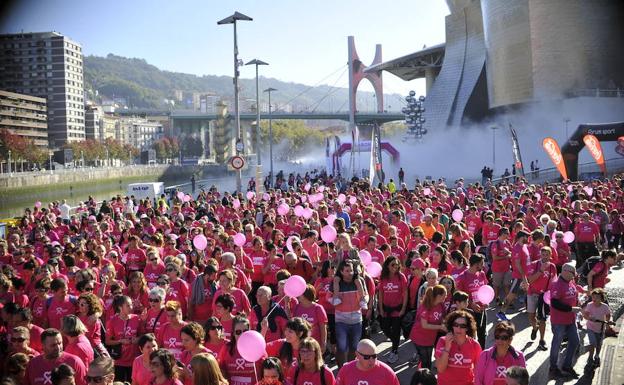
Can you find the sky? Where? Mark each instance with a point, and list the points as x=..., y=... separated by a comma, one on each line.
x=303, y=41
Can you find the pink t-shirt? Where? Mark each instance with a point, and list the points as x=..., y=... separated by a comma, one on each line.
x=81, y=349
x=380, y=374
x=236, y=369
x=461, y=362
x=566, y=293
x=314, y=378
x=241, y=301
x=315, y=315
x=597, y=312
x=500, y=248
x=393, y=290
x=470, y=283
x=39, y=369
x=141, y=374
x=170, y=339
x=434, y=316
x=540, y=285
x=119, y=329
x=519, y=253
x=135, y=259
x=59, y=309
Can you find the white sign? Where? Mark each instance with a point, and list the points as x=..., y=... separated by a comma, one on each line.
x=146, y=190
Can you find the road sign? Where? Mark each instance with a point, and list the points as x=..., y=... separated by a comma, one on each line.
x=237, y=162
x=239, y=146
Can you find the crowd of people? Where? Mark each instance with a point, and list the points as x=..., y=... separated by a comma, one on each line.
x=159, y=292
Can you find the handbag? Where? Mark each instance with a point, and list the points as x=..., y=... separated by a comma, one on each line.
x=115, y=350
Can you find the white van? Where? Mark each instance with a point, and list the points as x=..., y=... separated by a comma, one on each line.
x=150, y=190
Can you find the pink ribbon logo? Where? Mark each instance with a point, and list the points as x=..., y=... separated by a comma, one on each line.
x=240, y=364
x=172, y=342
x=500, y=371
x=458, y=358
x=47, y=377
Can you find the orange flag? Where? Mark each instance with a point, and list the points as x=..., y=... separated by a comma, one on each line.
x=552, y=149
x=595, y=149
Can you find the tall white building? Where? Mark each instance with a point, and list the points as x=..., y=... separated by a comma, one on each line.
x=47, y=65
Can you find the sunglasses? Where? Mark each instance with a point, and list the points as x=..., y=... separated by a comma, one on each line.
x=18, y=339
x=115, y=293
x=162, y=283
x=502, y=337
x=95, y=379
x=155, y=363
x=216, y=327
x=462, y=326
x=170, y=270
x=89, y=289
x=368, y=356
x=153, y=259
x=154, y=300
x=239, y=332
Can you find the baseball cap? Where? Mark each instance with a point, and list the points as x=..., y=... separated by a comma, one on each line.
x=568, y=267
x=417, y=263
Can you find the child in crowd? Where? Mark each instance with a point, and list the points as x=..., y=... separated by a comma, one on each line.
x=597, y=313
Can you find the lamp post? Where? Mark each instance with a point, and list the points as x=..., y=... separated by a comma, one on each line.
x=232, y=20
x=107, y=160
x=566, y=121
x=257, y=63
x=81, y=159
x=269, y=90
x=494, y=128
x=9, y=163
x=51, y=172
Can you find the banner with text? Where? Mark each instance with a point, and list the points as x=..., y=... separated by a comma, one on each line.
x=595, y=149
x=552, y=149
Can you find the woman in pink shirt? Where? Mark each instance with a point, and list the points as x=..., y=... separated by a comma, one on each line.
x=77, y=343
x=89, y=310
x=392, y=302
x=192, y=340
x=226, y=286
x=163, y=368
x=170, y=336
x=141, y=373
x=154, y=268
x=494, y=362
x=428, y=323
x=215, y=339
x=314, y=313
x=457, y=353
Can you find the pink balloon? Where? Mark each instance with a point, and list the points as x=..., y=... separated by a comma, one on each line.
x=342, y=198
x=38, y=204
x=200, y=242
x=538, y=196
x=307, y=187
x=290, y=240
x=239, y=239
x=283, y=209
x=250, y=194
x=328, y=234
x=294, y=286
x=352, y=200
x=373, y=269
x=298, y=211
x=547, y=297
x=266, y=197
x=307, y=213
x=321, y=188
x=588, y=190
x=304, y=198
x=187, y=198
x=251, y=345
x=365, y=257
x=568, y=237
x=458, y=215
x=330, y=219
x=236, y=203
x=427, y=191
x=485, y=294
x=180, y=195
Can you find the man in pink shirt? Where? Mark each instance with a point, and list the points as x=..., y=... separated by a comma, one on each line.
x=366, y=369
x=520, y=260
x=563, y=309
x=587, y=235
x=39, y=369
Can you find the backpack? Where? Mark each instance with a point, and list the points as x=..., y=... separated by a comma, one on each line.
x=586, y=267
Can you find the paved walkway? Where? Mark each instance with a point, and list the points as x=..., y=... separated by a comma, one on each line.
x=537, y=360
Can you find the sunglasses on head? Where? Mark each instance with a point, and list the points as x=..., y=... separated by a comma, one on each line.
x=502, y=337
x=368, y=356
x=95, y=379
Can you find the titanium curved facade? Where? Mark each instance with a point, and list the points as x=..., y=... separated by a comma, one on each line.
x=550, y=49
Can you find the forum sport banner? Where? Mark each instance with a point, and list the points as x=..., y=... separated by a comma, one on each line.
x=376, y=168
x=552, y=149
x=516, y=151
x=595, y=149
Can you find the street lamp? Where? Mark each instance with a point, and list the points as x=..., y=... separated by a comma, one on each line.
x=566, y=121
x=269, y=90
x=257, y=63
x=81, y=159
x=9, y=164
x=51, y=172
x=494, y=128
x=232, y=20
x=107, y=160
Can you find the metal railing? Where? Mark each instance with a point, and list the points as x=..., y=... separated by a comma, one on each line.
x=600, y=92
